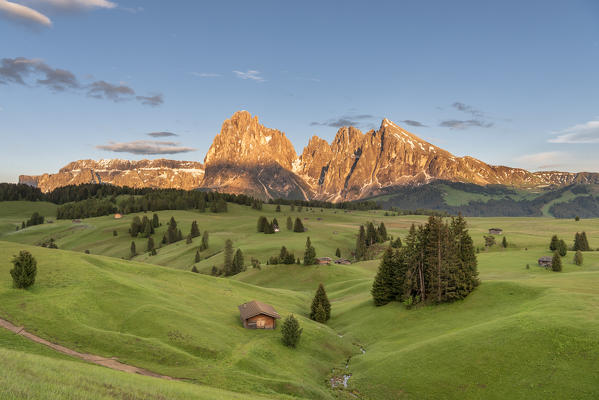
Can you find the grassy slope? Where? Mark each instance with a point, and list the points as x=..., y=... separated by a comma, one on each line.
x=456, y=197
x=13, y=213
x=522, y=334
x=173, y=322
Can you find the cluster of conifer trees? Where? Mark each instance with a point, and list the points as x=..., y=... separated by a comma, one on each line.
x=558, y=245
x=581, y=242
x=367, y=237
x=284, y=257
x=436, y=264
x=234, y=262
x=143, y=227
x=267, y=227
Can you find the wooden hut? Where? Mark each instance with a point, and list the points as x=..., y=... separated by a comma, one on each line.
x=545, y=261
x=258, y=315
x=323, y=260
x=495, y=231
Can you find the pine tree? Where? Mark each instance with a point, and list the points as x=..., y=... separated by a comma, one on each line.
x=195, y=231
x=382, y=232
x=289, y=224
x=320, y=299
x=371, y=235
x=384, y=289
x=228, y=266
x=135, y=227
x=396, y=244
x=197, y=257
x=204, y=245
x=114, y=233
x=269, y=228
x=337, y=252
x=133, y=251
x=155, y=221
x=262, y=222
x=556, y=262
x=585, y=242
x=361, y=244
x=291, y=331
x=504, y=242
x=188, y=240
x=194, y=269
x=278, y=209
x=238, y=263
x=578, y=257
x=275, y=224
x=554, y=243
x=24, y=270
x=562, y=248
x=298, y=226
x=309, y=253
x=150, y=246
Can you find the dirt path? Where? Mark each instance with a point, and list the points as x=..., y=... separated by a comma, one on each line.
x=112, y=363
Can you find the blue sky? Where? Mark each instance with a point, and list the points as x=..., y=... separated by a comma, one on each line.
x=509, y=82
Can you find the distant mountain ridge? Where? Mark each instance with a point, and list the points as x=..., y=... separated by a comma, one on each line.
x=247, y=157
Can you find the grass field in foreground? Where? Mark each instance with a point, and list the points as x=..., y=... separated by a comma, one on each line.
x=523, y=334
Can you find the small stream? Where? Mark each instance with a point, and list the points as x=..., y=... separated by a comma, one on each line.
x=338, y=380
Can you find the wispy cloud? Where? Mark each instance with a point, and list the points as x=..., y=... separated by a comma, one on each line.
x=250, y=74
x=479, y=120
x=206, y=74
x=544, y=160
x=162, y=134
x=19, y=70
x=146, y=147
x=153, y=101
x=23, y=14
x=465, y=124
x=412, y=122
x=70, y=5
x=467, y=109
x=114, y=92
x=346, y=120
x=581, y=133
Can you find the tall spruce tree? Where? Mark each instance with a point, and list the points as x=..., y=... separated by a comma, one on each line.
x=562, y=248
x=262, y=222
x=361, y=244
x=204, y=245
x=371, y=235
x=228, y=264
x=320, y=299
x=554, y=243
x=155, y=221
x=195, y=231
x=504, y=243
x=320, y=314
x=150, y=246
x=289, y=224
x=337, y=252
x=382, y=232
x=309, y=253
x=298, y=226
x=197, y=257
x=556, y=262
x=133, y=251
x=24, y=270
x=385, y=285
x=238, y=263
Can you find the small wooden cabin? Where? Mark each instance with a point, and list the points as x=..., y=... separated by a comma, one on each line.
x=323, y=260
x=258, y=315
x=342, y=261
x=545, y=261
x=495, y=231
x=118, y=216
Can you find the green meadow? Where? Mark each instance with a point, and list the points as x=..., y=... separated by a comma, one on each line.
x=524, y=333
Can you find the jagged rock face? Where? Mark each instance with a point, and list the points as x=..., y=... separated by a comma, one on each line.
x=137, y=174
x=246, y=157
x=362, y=166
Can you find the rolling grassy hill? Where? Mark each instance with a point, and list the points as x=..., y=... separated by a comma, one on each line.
x=523, y=334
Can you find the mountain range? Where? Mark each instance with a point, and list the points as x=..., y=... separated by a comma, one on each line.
x=247, y=157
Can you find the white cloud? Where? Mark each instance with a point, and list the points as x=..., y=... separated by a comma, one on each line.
x=22, y=13
x=250, y=74
x=73, y=4
x=544, y=160
x=582, y=133
x=206, y=74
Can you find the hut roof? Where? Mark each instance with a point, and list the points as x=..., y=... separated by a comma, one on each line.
x=546, y=259
x=254, y=307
